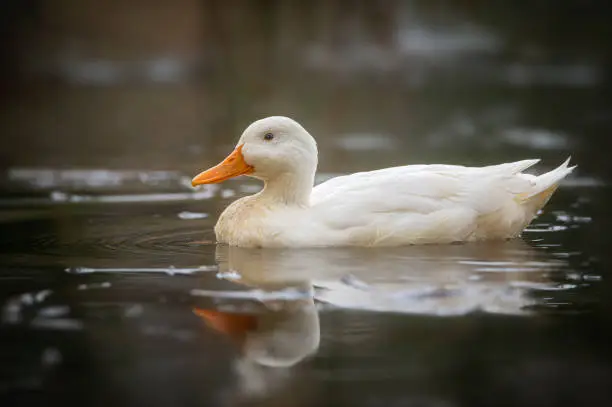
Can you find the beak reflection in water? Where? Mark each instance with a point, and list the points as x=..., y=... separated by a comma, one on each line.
x=284, y=333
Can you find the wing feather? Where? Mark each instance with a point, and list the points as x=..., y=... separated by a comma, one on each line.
x=419, y=190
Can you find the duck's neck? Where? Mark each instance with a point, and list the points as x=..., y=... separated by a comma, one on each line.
x=289, y=189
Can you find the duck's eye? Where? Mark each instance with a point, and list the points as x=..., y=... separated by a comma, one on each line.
x=268, y=136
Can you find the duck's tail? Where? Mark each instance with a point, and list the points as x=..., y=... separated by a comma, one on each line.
x=544, y=186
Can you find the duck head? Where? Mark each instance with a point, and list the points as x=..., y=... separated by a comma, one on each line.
x=270, y=148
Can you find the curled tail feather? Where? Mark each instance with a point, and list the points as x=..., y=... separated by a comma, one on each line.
x=544, y=186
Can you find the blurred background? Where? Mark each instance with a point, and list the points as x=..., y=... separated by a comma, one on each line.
x=161, y=84
x=109, y=107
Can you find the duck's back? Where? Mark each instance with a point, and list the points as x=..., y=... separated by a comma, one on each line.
x=433, y=203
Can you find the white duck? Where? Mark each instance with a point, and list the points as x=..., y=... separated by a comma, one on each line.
x=414, y=204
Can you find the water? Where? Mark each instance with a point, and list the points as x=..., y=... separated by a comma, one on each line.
x=113, y=291
x=122, y=297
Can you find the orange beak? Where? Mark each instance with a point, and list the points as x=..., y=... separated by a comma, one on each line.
x=233, y=166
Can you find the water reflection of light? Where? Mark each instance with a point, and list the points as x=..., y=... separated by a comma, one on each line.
x=92, y=178
x=192, y=215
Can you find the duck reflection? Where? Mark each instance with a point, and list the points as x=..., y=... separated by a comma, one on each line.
x=283, y=332
x=291, y=285
x=496, y=277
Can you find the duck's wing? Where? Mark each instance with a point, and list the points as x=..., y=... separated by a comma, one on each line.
x=376, y=197
x=423, y=188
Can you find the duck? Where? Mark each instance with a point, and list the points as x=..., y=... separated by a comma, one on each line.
x=397, y=206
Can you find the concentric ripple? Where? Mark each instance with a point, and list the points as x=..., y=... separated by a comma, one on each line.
x=94, y=239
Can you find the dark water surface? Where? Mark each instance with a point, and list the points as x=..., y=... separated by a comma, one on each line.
x=114, y=293
x=101, y=293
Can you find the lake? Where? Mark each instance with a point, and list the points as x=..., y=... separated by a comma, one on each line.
x=113, y=290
